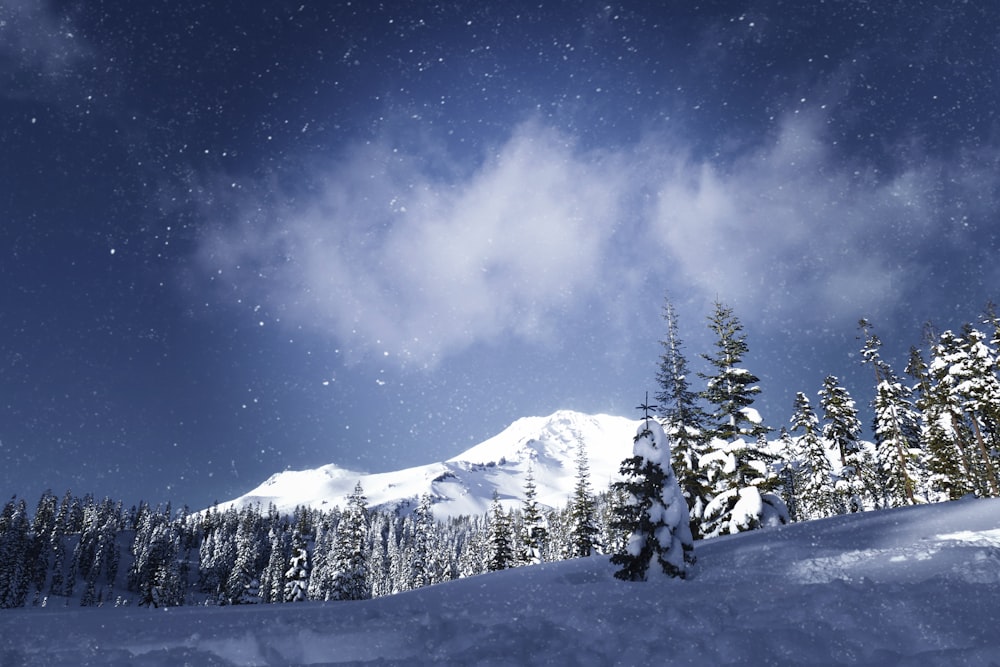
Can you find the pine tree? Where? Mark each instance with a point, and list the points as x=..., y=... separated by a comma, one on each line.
x=422, y=565
x=499, y=551
x=272, y=579
x=731, y=389
x=534, y=533
x=897, y=432
x=942, y=453
x=684, y=421
x=297, y=575
x=741, y=473
x=843, y=431
x=350, y=550
x=582, y=532
x=655, y=514
x=14, y=548
x=243, y=583
x=817, y=497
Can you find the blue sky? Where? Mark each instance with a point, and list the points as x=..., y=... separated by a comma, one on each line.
x=240, y=237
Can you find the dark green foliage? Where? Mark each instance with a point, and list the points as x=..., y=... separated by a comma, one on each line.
x=684, y=421
x=583, y=531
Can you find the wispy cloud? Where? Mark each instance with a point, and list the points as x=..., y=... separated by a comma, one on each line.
x=391, y=255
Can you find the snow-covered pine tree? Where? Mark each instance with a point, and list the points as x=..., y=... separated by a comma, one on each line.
x=683, y=420
x=14, y=547
x=378, y=559
x=243, y=583
x=897, y=428
x=738, y=469
x=980, y=392
x=843, y=431
x=943, y=432
x=350, y=550
x=321, y=570
x=297, y=575
x=42, y=528
x=817, y=497
x=533, y=526
x=272, y=579
x=499, y=551
x=423, y=545
x=655, y=513
x=582, y=529
x=731, y=389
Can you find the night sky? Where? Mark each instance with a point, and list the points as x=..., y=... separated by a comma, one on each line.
x=240, y=237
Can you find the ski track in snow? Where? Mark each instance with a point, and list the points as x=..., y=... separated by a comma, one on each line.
x=917, y=586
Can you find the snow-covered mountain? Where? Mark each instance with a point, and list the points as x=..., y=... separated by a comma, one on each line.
x=464, y=484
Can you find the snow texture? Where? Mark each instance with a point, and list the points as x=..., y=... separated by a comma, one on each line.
x=913, y=586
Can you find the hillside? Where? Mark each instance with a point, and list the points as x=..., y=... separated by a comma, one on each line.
x=464, y=484
x=914, y=586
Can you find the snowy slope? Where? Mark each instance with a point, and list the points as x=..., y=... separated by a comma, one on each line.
x=917, y=586
x=465, y=483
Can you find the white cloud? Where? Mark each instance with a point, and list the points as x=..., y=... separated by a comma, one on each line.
x=398, y=253
x=786, y=229
x=427, y=265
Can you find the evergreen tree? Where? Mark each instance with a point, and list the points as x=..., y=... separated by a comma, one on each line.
x=655, y=514
x=737, y=467
x=817, y=497
x=14, y=549
x=272, y=580
x=843, y=431
x=243, y=583
x=683, y=420
x=952, y=460
x=350, y=550
x=424, y=568
x=533, y=528
x=321, y=568
x=896, y=429
x=581, y=510
x=297, y=575
x=378, y=558
x=43, y=527
x=730, y=390
x=499, y=551
x=943, y=451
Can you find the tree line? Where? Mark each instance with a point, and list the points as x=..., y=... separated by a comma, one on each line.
x=703, y=465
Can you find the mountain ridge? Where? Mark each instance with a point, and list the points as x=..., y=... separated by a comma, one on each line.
x=464, y=484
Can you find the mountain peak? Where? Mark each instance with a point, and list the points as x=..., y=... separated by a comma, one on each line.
x=464, y=484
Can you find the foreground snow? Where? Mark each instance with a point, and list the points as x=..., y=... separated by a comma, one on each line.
x=917, y=586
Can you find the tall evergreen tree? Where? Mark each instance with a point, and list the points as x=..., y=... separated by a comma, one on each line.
x=730, y=389
x=739, y=470
x=499, y=552
x=533, y=527
x=583, y=531
x=843, y=431
x=969, y=392
x=944, y=433
x=816, y=495
x=684, y=421
x=897, y=431
x=350, y=550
